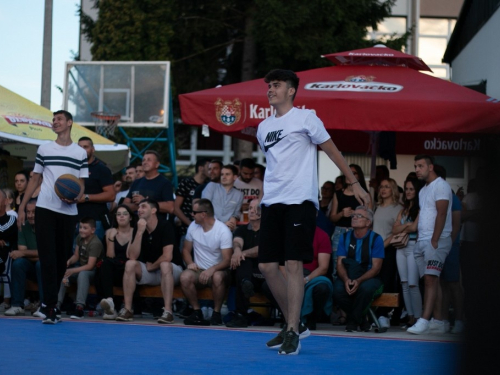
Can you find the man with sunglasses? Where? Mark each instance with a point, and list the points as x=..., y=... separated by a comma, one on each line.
x=359, y=259
x=207, y=253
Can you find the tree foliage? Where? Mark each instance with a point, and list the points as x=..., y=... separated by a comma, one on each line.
x=204, y=39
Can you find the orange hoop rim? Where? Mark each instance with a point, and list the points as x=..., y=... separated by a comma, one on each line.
x=106, y=116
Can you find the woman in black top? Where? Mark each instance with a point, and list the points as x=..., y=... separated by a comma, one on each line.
x=110, y=271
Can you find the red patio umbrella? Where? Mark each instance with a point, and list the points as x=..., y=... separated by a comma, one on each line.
x=378, y=55
x=349, y=98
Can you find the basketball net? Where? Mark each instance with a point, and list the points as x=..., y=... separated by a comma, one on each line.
x=105, y=123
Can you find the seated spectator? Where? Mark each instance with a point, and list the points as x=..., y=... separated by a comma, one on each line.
x=8, y=241
x=360, y=256
x=110, y=271
x=87, y=251
x=25, y=263
x=152, y=261
x=245, y=265
x=326, y=201
x=318, y=287
x=210, y=241
x=225, y=198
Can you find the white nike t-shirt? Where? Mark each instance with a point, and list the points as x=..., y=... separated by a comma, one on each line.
x=290, y=145
x=437, y=190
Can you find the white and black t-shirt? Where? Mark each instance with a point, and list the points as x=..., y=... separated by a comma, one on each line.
x=54, y=160
x=290, y=145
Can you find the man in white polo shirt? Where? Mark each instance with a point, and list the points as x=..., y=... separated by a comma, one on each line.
x=434, y=241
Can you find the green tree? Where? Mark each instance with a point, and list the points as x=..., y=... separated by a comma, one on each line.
x=212, y=42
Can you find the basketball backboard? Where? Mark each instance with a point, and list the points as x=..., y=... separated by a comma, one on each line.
x=137, y=90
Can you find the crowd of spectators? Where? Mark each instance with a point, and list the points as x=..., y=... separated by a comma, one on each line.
x=136, y=231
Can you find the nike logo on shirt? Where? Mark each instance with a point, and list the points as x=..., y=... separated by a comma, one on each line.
x=273, y=137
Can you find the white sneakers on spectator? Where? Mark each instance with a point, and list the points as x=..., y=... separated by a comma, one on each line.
x=458, y=327
x=108, y=306
x=15, y=311
x=39, y=314
x=446, y=325
x=437, y=326
x=384, y=322
x=420, y=327
x=4, y=307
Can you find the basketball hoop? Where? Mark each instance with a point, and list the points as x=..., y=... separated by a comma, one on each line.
x=105, y=123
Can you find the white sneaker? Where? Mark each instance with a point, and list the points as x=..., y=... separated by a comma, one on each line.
x=4, y=307
x=384, y=322
x=111, y=316
x=15, y=311
x=108, y=306
x=420, y=327
x=436, y=326
x=458, y=327
x=39, y=314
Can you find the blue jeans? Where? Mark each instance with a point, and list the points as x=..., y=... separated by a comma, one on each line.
x=21, y=269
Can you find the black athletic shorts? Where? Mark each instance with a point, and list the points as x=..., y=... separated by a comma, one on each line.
x=287, y=232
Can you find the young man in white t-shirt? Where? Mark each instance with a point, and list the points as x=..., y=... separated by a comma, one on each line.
x=211, y=243
x=56, y=218
x=289, y=139
x=434, y=241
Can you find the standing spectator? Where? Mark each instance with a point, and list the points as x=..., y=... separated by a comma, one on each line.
x=250, y=186
x=225, y=198
x=384, y=218
x=207, y=254
x=20, y=183
x=449, y=280
x=184, y=196
x=8, y=241
x=434, y=241
x=406, y=222
x=56, y=218
x=139, y=171
x=152, y=260
x=360, y=258
x=326, y=201
x=340, y=182
x=214, y=171
x=98, y=190
x=152, y=186
x=87, y=252
x=259, y=171
x=25, y=262
x=130, y=176
x=110, y=271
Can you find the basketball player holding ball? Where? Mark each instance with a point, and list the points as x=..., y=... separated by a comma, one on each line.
x=56, y=217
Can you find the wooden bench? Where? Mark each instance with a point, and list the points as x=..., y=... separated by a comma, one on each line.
x=384, y=300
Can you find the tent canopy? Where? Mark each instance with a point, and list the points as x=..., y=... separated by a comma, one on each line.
x=25, y=125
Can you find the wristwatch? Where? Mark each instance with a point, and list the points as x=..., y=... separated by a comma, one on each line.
x=86, y=198
x=307, y=279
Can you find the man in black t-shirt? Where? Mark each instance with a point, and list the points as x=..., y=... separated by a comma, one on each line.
x=98, y=190
x=245, y=265
x=153, y=260
x=152, y=186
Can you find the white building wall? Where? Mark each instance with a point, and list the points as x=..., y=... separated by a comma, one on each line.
x=480, y=59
